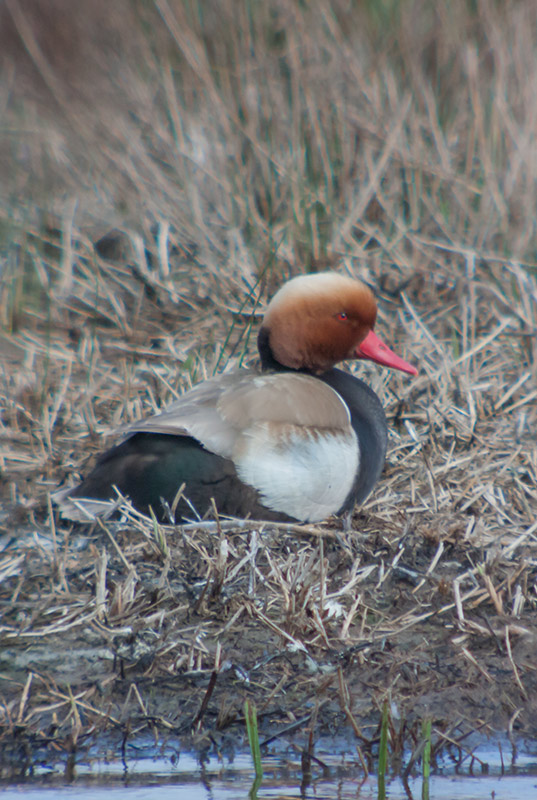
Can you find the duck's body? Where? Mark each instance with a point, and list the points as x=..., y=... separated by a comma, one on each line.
x=299, y=441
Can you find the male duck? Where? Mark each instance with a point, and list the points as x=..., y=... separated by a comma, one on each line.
x=300, y=440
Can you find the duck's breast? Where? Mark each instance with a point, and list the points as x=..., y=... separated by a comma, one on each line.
x=369, y=423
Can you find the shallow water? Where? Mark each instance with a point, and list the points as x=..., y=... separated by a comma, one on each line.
x=440, y=789
x=144, y=774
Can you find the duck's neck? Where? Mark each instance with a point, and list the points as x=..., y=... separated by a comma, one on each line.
x=268, y=362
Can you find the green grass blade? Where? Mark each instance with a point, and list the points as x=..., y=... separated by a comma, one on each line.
x=383, y=752
x=250, y=714
x=426, y=730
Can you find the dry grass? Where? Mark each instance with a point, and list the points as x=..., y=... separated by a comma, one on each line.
x=232, y=149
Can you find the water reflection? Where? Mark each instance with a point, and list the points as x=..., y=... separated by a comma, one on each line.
x=147, y=772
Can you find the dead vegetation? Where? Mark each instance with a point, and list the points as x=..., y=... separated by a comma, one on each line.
x=251, y=146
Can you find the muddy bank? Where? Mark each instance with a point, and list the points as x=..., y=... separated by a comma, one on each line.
x=124, y=632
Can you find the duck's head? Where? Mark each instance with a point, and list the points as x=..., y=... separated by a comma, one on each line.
x=315, y=321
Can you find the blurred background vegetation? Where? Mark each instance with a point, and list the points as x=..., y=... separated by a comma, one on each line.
x=304, y=132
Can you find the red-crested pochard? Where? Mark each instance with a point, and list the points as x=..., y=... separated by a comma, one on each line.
x=299, y=440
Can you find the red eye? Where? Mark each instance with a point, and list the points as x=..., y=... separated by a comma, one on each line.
x=342, y=316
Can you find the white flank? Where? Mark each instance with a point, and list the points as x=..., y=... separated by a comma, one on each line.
x=83, y=509
x=304, y=473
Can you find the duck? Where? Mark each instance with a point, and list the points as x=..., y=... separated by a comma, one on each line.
x=296, y=440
